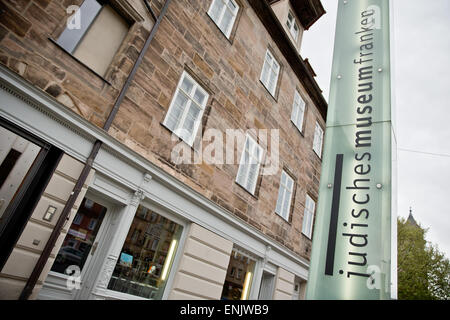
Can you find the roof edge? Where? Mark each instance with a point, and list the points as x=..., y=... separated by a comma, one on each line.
x=298, y=65
x=308, y=11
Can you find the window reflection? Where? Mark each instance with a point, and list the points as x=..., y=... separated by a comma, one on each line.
x=239, y=277
x=80, y=237
x=146, y=256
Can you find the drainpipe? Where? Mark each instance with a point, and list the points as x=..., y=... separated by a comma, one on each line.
x=31, y=283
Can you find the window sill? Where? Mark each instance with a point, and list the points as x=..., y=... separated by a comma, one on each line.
x=116, y=295
x=243, y=188
x=318, y=157
x=230, y=38
x=282, y=218
x=272, y=95
x=79, y=61
x=308, y=237
x=179, y=139
x=300, y=131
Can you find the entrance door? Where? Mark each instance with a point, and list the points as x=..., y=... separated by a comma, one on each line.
x=70, y=274
x=267, y=286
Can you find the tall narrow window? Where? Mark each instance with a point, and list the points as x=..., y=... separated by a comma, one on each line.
x=318, y=140
x=308, y=216
x=251, y=159
x=239, y=277
x=267, y=286
x=298, y=111
x=292, y=26
x=142, y=270
x=97, y=37
x=285, y=196
x=223, y=13
x=270, y=72
x=186, y=109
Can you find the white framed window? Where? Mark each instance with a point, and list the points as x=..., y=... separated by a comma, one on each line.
x=308, y=216
x=249, y=165
x=186, y=108
x=223, y=13
x=318, y=140
x=285, y=196
x=292, y=26
x=298, y=111
x=270, y=72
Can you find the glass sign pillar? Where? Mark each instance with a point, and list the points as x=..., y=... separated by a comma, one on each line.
x=351, y=253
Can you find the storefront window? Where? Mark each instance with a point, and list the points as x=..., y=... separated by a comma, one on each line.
x=239, y=276
x=147, y=255
x=80, y=237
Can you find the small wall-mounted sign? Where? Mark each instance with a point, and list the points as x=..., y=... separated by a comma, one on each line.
x=48, y=216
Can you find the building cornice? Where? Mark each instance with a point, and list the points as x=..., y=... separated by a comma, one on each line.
x=298, y=65
x=308, y=11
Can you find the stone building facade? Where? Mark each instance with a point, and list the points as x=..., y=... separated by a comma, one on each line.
x=197, y=220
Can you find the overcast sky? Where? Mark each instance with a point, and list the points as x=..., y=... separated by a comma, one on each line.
x=422, y=89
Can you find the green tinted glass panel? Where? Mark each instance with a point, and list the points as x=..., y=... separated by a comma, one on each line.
x=351, y=254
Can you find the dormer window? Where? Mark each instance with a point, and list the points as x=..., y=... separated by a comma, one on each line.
x=292, y=26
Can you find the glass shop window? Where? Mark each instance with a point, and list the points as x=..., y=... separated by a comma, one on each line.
x=147, y=255
x=81, y=236
x=17, y=156
x=239, y=276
